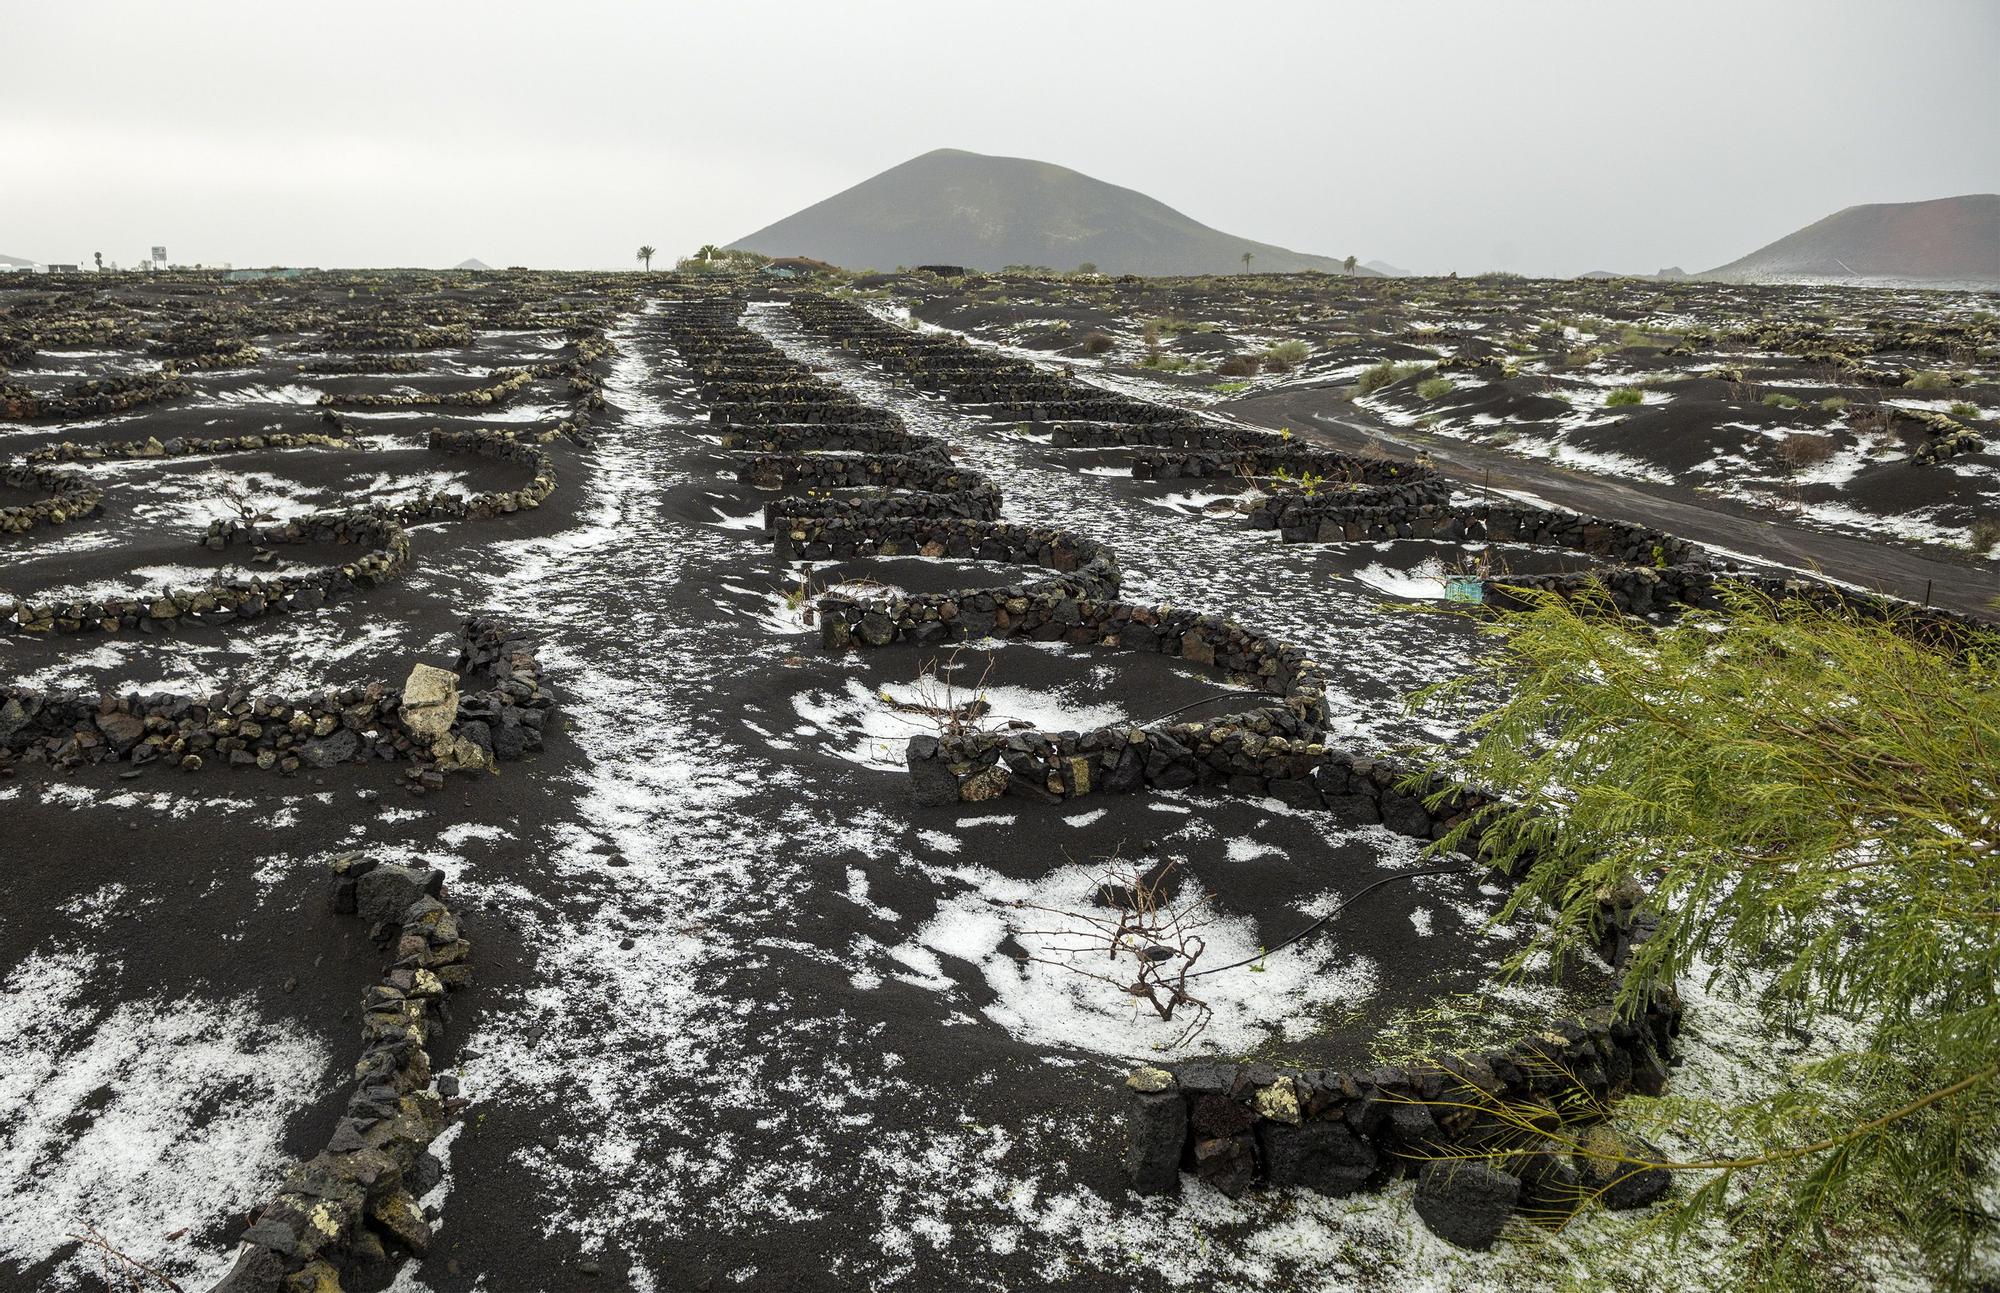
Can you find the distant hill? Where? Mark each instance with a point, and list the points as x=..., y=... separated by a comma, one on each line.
x=1943, y=242
x=472, y=264
x=15, y=262
x=958, y=208
x=1385, y=269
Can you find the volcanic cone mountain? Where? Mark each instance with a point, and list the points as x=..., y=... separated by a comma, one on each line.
x=1945, y=242
x=959, y=208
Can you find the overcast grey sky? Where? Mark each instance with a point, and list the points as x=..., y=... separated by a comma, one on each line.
x=1541, y=137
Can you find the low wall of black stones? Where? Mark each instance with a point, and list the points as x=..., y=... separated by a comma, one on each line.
x=501, y=384
x=1242, y=751
x=188, y=446
x=1262, y=454
x=95, y=397
x=74, y=497
x=363, y=336
x=1355, y=498
x=1236, y=1126
x=1338, y=1131
x=1332, y=520
x=869, y=487
x=1080, y=568
x=379, y=531
x=1190, y=435
x=798, y=412
x=503, y=705
x=350, y=1213
x=1239, y=1125
x=851, y=437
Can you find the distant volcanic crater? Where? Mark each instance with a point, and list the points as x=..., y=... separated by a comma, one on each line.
x=1945, y=242
x=959, y=208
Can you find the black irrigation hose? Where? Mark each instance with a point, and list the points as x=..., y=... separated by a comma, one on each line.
x=1195, y=704
x=1345, y=904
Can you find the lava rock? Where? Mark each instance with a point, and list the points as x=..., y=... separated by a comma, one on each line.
x=1318, y=1154
x=386, y=892
x=1551, y=1187
x=1613, y=1179
x=1465, y=1202
x=1158, y=1126
x=1219, y=1115
x=932, y=784
x=1229, y=1163
x=327, y=751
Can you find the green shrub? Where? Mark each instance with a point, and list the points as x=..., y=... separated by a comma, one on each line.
x=1833, y=404
x=1985, y=533
x=1928, y=381
x=1288, y=353
x=1780, y=400
x=1383, y=374
x=1624, y=397
x=1432, y=388
x=1801, y=797
x=1096, y=343
x=1964, y=410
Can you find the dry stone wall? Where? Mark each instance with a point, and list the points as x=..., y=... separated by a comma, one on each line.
x=74, y=498
x=350, y=1212
x=502, y=706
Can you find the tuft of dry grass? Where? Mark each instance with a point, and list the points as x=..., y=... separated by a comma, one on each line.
x=1800, y=451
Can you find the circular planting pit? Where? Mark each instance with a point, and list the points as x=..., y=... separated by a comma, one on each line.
x=1020, y=935
x=998, y=688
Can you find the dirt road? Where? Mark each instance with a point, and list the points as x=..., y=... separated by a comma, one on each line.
x=1935, y=576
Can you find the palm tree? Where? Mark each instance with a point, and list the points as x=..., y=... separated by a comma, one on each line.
x=709, y=253
x=100, y=260
x=1349, y=262
x=646, y=255
x=1246, y=262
